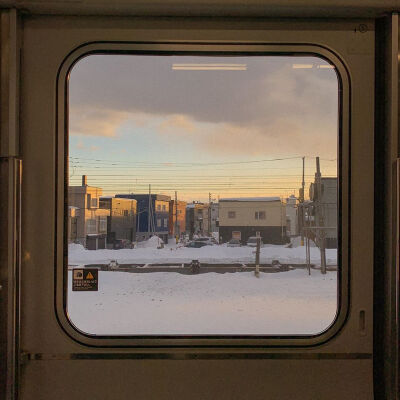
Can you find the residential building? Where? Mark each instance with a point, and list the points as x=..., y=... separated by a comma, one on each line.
x=197, y=216
x=157, y=207
x=214, y=210
x=326, y=211
x=121, y=223
x=87, y=222
x=291, y=216
x=242, y=217
x=73, y=214
x=177, y=217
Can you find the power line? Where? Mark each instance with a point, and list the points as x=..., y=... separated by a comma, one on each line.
x=115, y=162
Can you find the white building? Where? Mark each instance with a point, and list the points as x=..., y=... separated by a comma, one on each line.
x=291, y=216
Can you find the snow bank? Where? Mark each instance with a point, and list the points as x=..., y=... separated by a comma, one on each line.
x=207, y=254
x=153, y=243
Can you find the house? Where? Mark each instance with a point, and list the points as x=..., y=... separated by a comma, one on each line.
x=87, y=222
x=121, y=223
x=157, y=207
x=242, y=217
x=177, y=217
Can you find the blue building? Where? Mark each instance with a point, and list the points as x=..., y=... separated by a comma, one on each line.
x=160, y=211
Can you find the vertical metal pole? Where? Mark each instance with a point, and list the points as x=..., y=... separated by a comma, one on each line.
x=301, y=200
x=10, y=200
x=176, y=215
x=209, y=213
x=281, y=220
x=320, y=219
x=307, y=236
x=149, y=214
x=257, y=270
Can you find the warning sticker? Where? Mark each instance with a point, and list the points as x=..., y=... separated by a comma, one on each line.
x=85, y=280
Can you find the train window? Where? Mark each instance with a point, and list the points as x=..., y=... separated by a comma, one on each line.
x=203, y=194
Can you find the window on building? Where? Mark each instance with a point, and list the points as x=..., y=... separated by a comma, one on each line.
x=259, y=215
x=225, y=130
x=231, y=214
x=103, y=224
x=91, y=226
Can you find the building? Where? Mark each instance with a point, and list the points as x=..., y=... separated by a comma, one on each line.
x=157, y=208
x=121, y=223
x=292, y=226
x=326, y=210
x=241, y=218
x=214, y=210
x=73, y=214
x=177, y=212
x=87, y=222
x=197, y=217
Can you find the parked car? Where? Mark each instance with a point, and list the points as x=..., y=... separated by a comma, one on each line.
x=122, y=244
x=207, y=240
x=234, y=243
x=196, y=244
x=252, y=241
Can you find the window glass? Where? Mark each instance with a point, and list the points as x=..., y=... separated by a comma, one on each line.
x=192, y=159
x=91, y=226
x=103, y=224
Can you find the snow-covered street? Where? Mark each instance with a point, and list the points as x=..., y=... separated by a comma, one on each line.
x=231, y=303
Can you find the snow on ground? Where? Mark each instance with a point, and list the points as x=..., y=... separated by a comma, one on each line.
x=153, y=243
x=231, y=303
x=171, y=253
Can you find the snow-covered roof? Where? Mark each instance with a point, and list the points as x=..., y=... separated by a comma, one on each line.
x=193, y=205
x=251, y=199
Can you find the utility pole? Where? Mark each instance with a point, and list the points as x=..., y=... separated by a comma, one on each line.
x=308, y=261
x=209, y=213
x=176, y=214
x=282, y=220
x=301, y=201
x=257, y=270
x=320, y=218
x=149, y=214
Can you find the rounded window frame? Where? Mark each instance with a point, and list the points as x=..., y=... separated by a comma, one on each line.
x=61, y=162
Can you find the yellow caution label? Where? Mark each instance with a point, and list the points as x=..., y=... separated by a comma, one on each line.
x=89, y=276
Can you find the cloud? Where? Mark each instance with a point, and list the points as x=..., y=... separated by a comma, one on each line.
x=271, y=107
x=95, y=121
x=177, y=123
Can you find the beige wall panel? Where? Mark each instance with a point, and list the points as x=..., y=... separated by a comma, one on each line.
x=275, y=213
x=198, y=380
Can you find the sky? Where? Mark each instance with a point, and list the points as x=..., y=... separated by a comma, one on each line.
x=230, y=126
